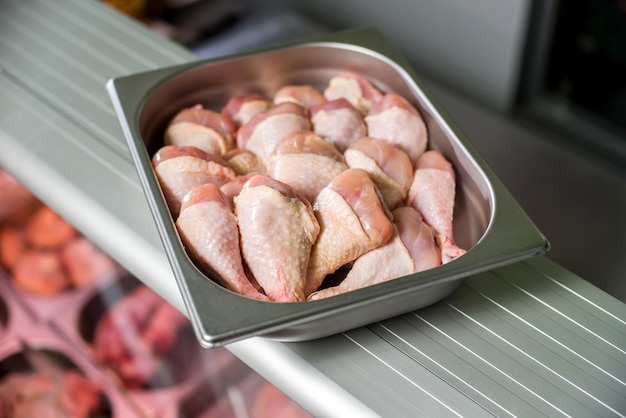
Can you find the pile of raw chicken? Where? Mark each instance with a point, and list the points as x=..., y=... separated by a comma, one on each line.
x=276, y=194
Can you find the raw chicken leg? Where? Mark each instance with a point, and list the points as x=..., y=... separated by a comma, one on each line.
x=356, y=89
x=389, y=167
x=306, y=162
x=203, y=128
x=432, y=194
x=242, y=108
x=338, y=122
x=243, y=161
x=265, y=130
x=396, y=120
x=411, y=249
x=208, y=229
x=278, y=229
x=303, y=95
x=180, y=169
x=352, y=220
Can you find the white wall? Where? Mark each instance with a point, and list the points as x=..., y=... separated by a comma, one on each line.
x=473, y=46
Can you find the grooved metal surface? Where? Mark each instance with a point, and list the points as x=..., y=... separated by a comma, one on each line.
x=530, y=339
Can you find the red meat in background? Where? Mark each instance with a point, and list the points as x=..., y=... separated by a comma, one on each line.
x=42, y=252
x=40, y=394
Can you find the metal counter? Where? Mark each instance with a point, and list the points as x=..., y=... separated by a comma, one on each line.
x=530, y=339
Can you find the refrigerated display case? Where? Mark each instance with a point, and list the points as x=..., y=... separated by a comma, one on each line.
x=528, y=339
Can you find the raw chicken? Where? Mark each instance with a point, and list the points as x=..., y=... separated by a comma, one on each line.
x=338, y=122
x=208, y=230
x=37, y=394
x=411, y=249
x=352, y=222
x=432, y=194
x=234, y=187
x=389, y=167
x=244, y=162
x=180, y=169
x=356, y=89
x=350, y=150
x=242, y=108
x=306, y=162
x=398, y=121
x=303, y=95
x=278, y=229
x=202, y=128
x=265, y=130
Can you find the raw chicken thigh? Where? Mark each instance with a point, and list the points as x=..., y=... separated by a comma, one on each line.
x=208, y=229
x=338, y=122
x=180, y=169
x=278, y=229
x=303, y=95
x=432, y=194
x=306, y=162
x=242, y=108
x=265, y=130
x=352, y=222
x=393, y=118
x=202, y=128
x=411, y=249
x=390, y=167
x=356, y=89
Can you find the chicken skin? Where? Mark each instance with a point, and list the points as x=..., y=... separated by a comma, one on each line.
x=306, y=162
x=242, y=108
x=411, y=249
x=278, y=229
x=389, y=166
x=352, y=222
x=266, y=129
x=338, y=122
x=180, y=169
x=432, y=194
x=358, y=90
x=303, y=95
x=208, y=229
x=393, y=118
x=203, y=128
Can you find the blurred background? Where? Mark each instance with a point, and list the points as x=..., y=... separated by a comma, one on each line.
x=539, y=87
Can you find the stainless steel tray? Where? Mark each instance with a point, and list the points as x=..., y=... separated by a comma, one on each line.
x=487, y=220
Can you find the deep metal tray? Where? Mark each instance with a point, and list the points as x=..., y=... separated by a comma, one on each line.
x=487, y=220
